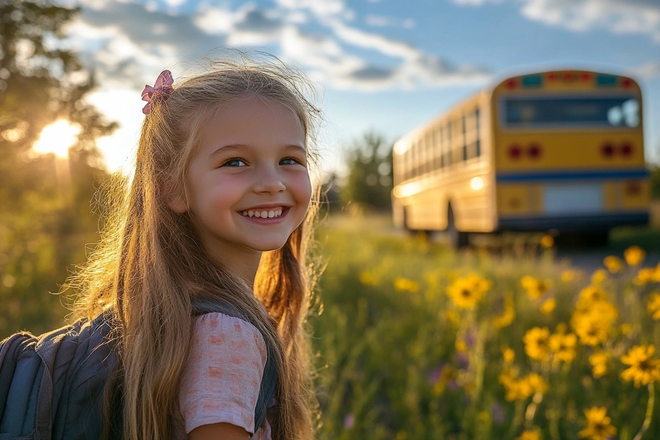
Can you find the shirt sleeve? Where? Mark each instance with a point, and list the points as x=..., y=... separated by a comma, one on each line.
x=222, y=378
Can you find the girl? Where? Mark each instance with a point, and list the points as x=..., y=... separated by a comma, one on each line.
x=218, y=210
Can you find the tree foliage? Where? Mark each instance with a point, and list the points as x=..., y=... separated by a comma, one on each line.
x=46, y=218
x=369, y=180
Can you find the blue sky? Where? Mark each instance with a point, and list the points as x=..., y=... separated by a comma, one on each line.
x=382, y=65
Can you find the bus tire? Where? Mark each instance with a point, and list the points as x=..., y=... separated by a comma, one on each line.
x=597, y=238
x=457, y=239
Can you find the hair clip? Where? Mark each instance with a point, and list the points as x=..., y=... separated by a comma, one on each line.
x=163, y=86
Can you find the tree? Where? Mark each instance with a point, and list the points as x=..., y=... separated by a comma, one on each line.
x=369, y=180
x=42, y=230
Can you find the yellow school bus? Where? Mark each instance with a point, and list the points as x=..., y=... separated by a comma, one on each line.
x=558, y=150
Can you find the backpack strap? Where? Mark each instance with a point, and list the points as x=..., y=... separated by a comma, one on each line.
x=47, y=348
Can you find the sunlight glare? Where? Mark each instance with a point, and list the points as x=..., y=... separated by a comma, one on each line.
x=57, y=138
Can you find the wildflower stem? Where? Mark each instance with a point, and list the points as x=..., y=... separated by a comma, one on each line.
x=649, y=413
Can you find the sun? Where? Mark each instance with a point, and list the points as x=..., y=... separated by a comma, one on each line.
x=57, y=138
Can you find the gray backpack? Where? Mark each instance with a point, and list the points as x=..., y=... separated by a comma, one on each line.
x=52, y=386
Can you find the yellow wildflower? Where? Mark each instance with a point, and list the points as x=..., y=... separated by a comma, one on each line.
x=515, y=389
x=534, y=287
x=643, y=369
x=467, y=291
x=594, y=316
x=644, y=276
x=589, y=295
x=599, y=361
x=507, y=316
x=508, y=354
x=634, y=255
x=653, y=306
x=547, y=241
x=461, y=346
x=598, y=425
x=368, y=279
x=536, y=383
x=405, y=285
x=613, y=264
x=529, y=435
x=563, y=346
x=569, y=275
x=625, y=329
x=536, y=343
x=599, y=276
x=548, y=306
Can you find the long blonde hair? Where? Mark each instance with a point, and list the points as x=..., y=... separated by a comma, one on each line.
x=150, y=263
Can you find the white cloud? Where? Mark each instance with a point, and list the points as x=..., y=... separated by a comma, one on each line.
x=382, y=21
x=647, y=71
x=214, y=21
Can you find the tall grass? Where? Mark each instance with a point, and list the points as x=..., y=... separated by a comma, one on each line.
x=526, y=348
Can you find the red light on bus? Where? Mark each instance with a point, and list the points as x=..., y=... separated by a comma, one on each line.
x=626, y=149
x=568, y=76
x=511, y=84
x=607, y=150
x=586, y=76
x=534, y=151
x=626, y=82
x=514, y=152
x=632, y=188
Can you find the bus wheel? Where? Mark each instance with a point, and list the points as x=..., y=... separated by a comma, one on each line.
x=597, y=238
x=457, y=239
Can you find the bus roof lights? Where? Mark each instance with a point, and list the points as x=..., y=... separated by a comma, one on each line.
x=606, y=80
x=586, y=76
x=568, y=76
x=532, y=81
x=511, y=84
x=626, y=82
x=514, y=152
x=552, y=76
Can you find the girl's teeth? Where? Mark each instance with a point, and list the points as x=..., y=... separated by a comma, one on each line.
x=263, y=214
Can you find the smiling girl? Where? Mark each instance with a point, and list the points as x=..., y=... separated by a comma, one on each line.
x=204, y=262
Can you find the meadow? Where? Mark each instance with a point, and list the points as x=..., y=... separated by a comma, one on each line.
x=416, y=341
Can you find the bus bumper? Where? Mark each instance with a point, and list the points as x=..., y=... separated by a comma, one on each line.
x=593, y=222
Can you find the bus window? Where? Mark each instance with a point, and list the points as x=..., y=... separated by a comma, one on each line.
x=441, y=132
x=587, y=111
x=430, y=166
x=437, y=151
x=478, y=132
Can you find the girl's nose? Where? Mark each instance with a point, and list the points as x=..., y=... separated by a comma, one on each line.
x=268, y=180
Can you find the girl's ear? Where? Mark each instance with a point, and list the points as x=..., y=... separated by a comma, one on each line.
x=176, y=201
x=177, y=204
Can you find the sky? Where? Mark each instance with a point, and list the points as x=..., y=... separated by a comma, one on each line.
x=378, y=65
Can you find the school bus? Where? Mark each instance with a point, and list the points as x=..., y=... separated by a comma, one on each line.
x=558, y=150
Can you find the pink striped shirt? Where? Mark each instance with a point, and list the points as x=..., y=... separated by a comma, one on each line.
x=221, y=381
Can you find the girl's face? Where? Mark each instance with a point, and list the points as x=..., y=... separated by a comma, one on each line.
x=248, y=182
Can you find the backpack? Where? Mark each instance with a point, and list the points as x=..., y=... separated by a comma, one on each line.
x=52, y=386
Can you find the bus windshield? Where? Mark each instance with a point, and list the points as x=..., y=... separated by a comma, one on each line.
x=587, y=111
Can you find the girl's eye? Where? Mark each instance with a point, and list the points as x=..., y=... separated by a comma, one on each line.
x=234, y=162
x=290, y=161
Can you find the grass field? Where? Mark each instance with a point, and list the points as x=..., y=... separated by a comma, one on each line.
x=415, y=341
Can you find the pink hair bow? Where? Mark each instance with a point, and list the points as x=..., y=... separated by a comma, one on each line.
x=163, y=86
